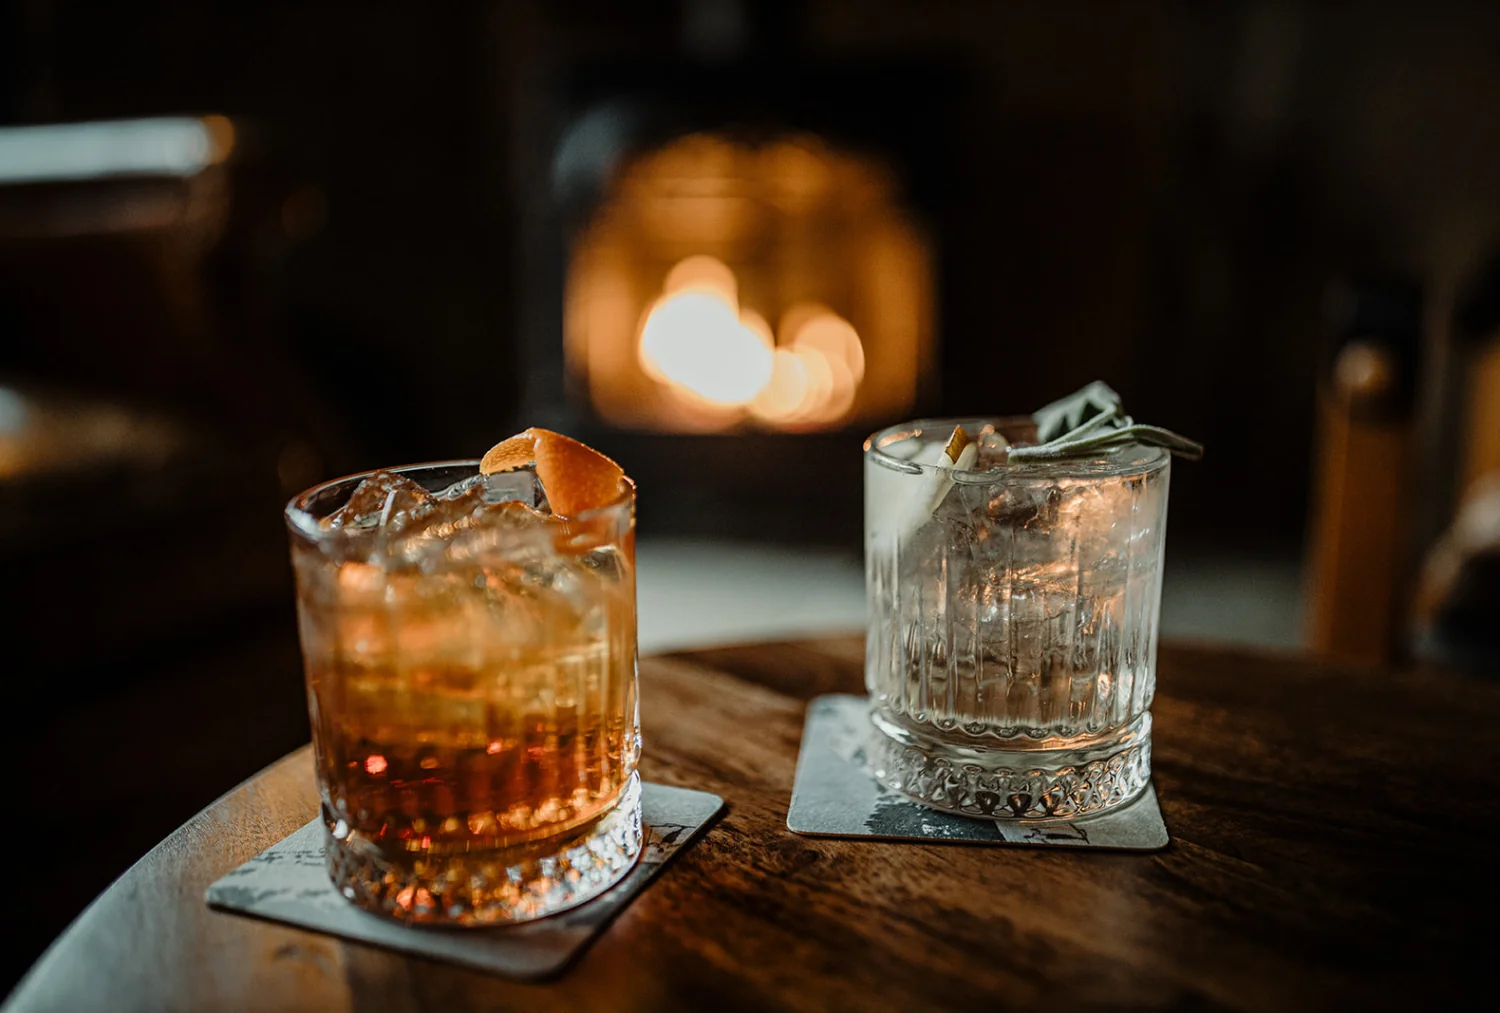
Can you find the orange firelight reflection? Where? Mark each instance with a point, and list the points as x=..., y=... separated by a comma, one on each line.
x=698, y=342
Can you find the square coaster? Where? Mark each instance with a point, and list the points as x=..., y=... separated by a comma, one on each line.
x=835, y=796
x=288, y=882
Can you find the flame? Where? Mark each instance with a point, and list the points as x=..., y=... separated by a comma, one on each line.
x=693, y=340
x=781, y=398
x=814, y=326
x=703, y=274
x=698, y=342
x=837, y=398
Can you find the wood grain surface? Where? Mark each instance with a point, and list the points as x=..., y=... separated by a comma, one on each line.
x=1333, y=836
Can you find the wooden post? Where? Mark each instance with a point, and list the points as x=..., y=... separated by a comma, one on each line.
x=1363, y=483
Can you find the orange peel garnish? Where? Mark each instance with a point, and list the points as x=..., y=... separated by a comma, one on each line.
x=576, y=476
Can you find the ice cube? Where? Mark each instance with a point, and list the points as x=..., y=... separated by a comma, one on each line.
x=467, y=529
x=519, y=486
x=558, y=593
x=523, y=606
x=462, y=486
x=386, y=500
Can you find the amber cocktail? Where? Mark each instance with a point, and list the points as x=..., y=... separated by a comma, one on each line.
x=471, y=674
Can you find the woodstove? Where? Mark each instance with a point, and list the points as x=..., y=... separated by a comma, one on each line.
x=735, y=274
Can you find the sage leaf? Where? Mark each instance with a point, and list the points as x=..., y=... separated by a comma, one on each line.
x=1067, y=414
x=1092, y=420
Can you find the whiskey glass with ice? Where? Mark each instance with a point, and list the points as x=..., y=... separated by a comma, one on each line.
x=471, y=679
x=1013, y=619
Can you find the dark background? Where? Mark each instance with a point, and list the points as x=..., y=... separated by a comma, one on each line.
x=1160, y=194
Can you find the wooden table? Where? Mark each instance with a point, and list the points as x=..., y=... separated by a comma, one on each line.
x=1334, y=834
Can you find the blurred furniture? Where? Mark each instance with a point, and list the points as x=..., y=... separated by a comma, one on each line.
x=1309, y=867
x=149, y=422
x=150, y=426
x=1363, y=481
x=1457, y=602
x=140, y=262
x=1404, y=538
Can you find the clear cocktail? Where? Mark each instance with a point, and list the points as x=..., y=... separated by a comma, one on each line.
x=1013, y=607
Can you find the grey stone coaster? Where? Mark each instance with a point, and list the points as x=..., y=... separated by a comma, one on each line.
x=288, y=882
x=835, y=796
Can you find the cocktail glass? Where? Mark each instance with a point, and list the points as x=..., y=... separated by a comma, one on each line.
x=1011, y=655
x=471, y=678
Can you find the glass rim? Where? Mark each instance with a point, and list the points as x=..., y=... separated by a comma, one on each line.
x=295, y=511
x=1107, y=464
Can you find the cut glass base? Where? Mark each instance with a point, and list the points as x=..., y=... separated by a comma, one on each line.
x=1026, y=784
x=493, y=888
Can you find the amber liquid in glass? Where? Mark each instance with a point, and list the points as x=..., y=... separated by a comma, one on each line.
x=433, y=763
x=472, y=690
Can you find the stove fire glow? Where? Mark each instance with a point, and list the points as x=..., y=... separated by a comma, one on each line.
x=727, y=286
x=707, y=351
